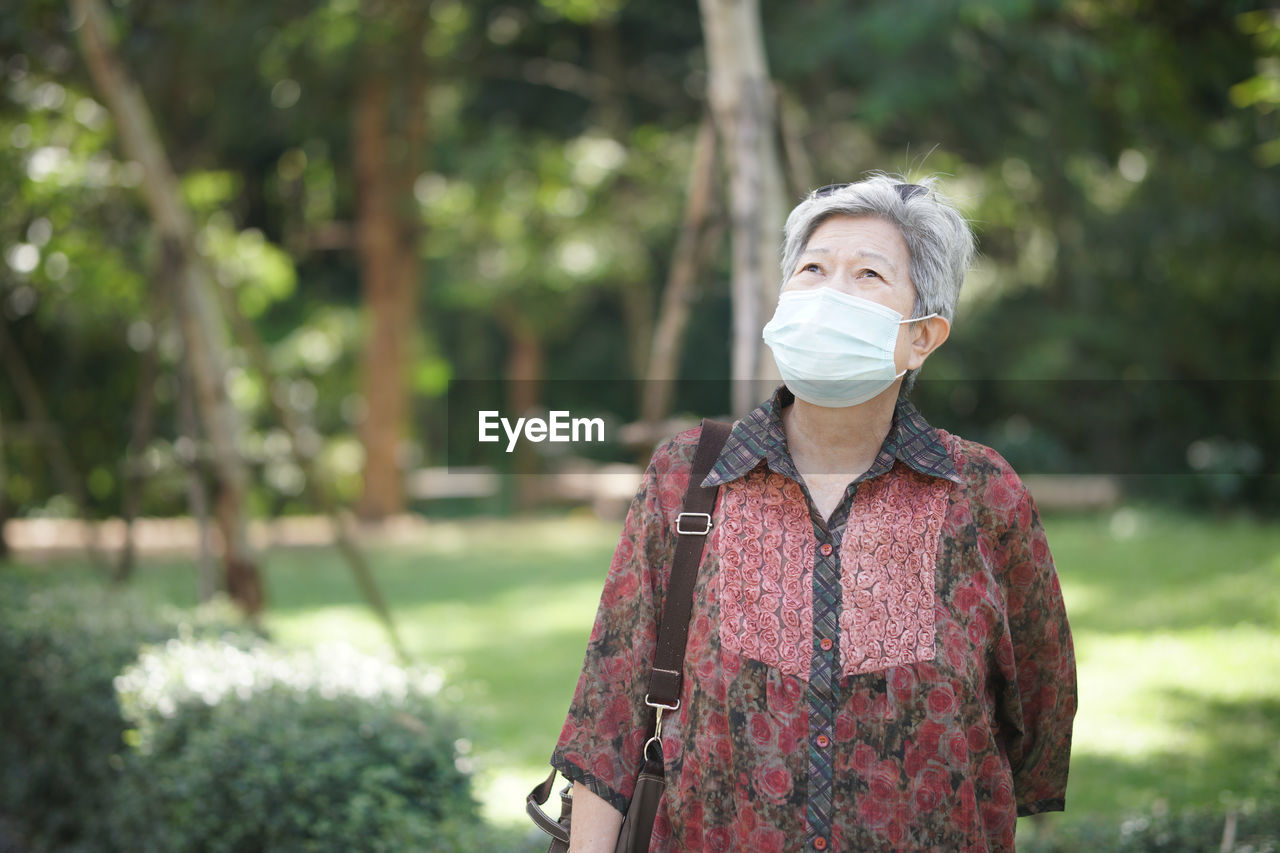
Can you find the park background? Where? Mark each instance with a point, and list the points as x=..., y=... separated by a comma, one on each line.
x=254, y=254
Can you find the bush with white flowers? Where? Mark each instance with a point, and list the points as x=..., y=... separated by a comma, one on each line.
x=126, y=730
x=250, y=747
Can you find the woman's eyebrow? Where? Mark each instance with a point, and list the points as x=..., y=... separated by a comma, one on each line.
x=861, y=253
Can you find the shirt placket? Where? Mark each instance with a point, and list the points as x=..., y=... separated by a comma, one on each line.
x=824, y=674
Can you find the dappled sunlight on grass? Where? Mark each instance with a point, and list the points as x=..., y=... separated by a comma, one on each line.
x=538, y=611
x=1126, y=682
x=1177, y=632
x=1219, y=752
x=501, y=792
x=1160, y=572
x=351, y=623
x=458, y=538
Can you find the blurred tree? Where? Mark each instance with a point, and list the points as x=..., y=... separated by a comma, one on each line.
x=1114, y=159
x=694, y=243
x=4, y=502
x=1118, y=161
x=69, y=287
x=199, y=317
x=558, y=189
x=142, y=419
x=388, y=145
x=741, y=95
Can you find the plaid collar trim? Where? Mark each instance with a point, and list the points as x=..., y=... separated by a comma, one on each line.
x=759, y=436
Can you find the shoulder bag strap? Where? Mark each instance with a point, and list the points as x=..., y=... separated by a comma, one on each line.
x=693, y=525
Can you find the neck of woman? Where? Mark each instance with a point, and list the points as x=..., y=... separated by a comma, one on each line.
x=838, y=441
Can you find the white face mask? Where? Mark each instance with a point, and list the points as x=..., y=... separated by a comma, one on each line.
x=834, y=349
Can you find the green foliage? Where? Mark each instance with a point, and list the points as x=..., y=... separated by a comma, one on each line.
x=61, y=730
x=1114, y=160
x=217, y=740
x=71, y=289
x=1117, y=159
x=254, y=749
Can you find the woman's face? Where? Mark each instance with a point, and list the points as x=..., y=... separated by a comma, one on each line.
x=866, y=256
x=860, y=255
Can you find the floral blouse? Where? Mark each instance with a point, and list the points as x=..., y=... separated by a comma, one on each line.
x=897, y=677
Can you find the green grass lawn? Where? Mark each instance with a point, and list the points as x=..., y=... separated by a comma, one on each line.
x=1176, y=622
x=1177, y=629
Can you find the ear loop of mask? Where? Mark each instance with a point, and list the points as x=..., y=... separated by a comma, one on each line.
x=914, y=320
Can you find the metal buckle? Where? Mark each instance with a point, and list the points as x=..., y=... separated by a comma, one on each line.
x=656, y=740
x=660, y=706
x=706, y=519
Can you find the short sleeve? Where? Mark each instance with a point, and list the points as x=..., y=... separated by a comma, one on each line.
x=604, y=733
x=1037, y=702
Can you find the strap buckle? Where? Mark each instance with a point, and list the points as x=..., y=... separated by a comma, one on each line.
x=704, y=517
x=660, y=706
x=656, y=740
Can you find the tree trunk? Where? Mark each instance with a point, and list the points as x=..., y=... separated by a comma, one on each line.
x=142, y=420
x=524, y=374
x=682, y=280
x=387, y=157
x=132, y=479
x=198, y=318
x=197, y=497
x=799, y=171
x=742, y=101
x=386, y=307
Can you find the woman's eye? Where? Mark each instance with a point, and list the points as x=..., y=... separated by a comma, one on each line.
x=811, y=268
x=871, y=273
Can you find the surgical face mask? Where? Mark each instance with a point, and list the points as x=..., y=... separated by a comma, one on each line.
x=834, y=349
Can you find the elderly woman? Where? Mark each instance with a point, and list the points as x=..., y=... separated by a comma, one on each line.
x=878, y=656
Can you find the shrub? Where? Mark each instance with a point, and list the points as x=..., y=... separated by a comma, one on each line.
x=240, y=749
x=60, y=727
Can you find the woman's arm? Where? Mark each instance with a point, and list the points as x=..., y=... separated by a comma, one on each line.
x=595, y=823
x=1038, y=699
x=1046, y=672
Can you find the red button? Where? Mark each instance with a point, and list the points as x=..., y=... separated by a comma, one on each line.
x=822, y=741
x=819, y=843
x=826, y=644
x=826, y=549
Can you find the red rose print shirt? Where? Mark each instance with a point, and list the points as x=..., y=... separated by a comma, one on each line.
x=899, y=676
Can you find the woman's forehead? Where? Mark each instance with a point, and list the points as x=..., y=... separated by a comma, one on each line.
x=860, y=234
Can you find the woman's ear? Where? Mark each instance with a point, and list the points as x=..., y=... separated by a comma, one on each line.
x=926, y=336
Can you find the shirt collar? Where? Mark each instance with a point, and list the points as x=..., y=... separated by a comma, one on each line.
x=759, y=436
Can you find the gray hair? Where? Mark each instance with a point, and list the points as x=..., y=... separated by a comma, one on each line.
x=940, y=244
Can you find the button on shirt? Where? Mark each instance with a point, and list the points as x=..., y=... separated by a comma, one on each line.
x=898, y=676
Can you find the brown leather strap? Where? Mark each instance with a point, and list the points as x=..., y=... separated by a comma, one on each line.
x=673, y=631
x=537, y=797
